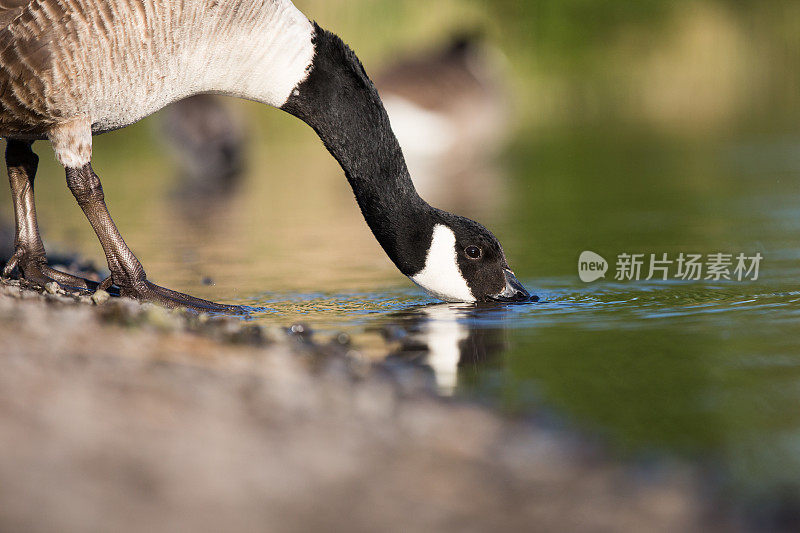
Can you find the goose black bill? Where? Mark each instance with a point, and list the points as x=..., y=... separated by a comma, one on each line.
x=513, y=291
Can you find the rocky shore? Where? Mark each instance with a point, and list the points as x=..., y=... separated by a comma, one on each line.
x=116, y=416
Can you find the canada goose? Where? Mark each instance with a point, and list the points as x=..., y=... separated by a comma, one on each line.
x=69, y=70
x=448, y=107
x=207, y=141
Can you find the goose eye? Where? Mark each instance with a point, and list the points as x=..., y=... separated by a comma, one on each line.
x=473, y=252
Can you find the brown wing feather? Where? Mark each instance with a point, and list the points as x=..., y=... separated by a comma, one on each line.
x=10, y=9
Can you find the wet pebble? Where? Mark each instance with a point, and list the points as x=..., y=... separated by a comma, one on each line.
x=358, y=364
x=100, y=297
x=298, y=329
x=274, y=334
x=393, y=333
x=161, y=318
x=301, y=331
x=52, y=287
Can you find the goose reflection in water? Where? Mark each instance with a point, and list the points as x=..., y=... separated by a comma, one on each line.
x=452, y=341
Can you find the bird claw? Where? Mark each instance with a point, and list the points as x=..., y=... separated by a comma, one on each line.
x=33, y=268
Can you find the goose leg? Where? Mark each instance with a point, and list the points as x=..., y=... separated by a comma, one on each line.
x=29, y=256
x=126, y=270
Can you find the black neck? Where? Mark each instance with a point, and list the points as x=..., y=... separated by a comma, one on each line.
x=340, y=102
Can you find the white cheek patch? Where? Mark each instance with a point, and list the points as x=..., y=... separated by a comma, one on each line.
x=441, y=276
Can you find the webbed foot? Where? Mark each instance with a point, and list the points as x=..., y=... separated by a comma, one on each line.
x=33, y=268
x=150, y=292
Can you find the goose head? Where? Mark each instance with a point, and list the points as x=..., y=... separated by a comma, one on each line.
x=464, y=262
x=451, y=257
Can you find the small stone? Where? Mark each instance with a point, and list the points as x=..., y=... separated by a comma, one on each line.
x=301, y=332
x=100, y=297
x=359, y=365
x=162, y=319
x=207, y=281
x=51, y=287
x=275, y=334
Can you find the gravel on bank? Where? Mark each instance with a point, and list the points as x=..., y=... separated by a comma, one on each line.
x=123, y=417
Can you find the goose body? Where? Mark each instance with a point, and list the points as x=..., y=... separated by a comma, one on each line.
x=70, y=69
x=114, y=62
